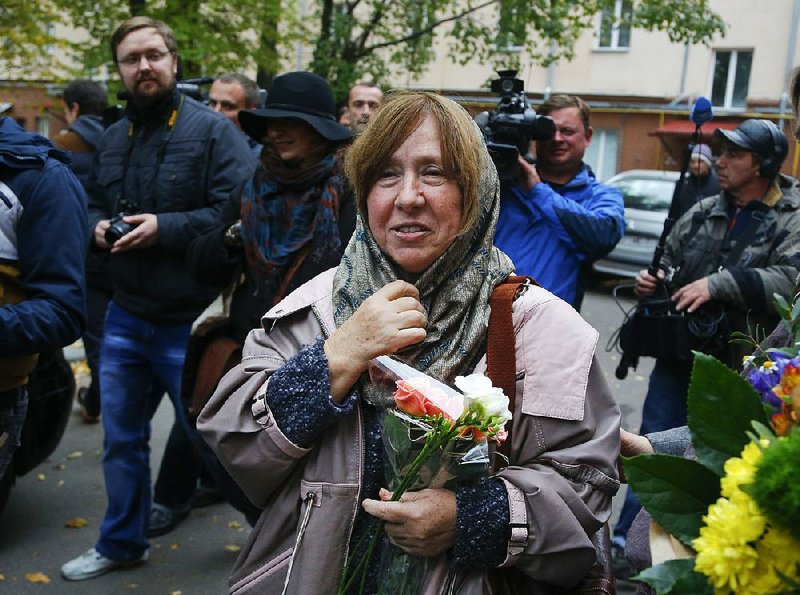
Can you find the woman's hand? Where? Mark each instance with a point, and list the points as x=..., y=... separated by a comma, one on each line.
x=387, y=321
x=420, y=523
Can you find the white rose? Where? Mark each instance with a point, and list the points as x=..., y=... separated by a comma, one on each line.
x=482, y=397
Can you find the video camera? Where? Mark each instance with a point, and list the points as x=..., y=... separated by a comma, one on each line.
x=511, y=127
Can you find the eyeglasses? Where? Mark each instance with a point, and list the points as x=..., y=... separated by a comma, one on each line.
x=152, y=57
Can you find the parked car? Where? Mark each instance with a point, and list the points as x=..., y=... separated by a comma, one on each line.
x=647, y=194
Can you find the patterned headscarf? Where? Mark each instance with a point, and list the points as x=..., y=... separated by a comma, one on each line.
x=454, y=290
x=283, y=210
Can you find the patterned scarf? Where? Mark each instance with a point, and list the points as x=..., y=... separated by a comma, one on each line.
x=454, y=290
x=283, y=210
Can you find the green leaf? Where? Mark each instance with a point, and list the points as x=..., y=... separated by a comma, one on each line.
x=782, y=306
x=675, y=576
x=675, y=491
x=722, y=407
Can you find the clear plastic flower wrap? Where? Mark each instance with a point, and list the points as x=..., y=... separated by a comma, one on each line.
x=434, y=436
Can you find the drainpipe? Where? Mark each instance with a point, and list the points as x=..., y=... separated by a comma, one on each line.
x=551, y=71
x=685, y=66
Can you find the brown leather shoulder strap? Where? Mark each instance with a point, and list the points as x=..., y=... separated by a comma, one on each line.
x=501, y=362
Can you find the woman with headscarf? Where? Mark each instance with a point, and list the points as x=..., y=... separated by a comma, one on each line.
x=296, y=426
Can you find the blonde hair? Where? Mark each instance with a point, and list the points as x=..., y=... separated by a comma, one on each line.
x=463, y=155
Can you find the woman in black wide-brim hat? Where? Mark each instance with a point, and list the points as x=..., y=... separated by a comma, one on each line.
x=294, y=217
x=291, y=221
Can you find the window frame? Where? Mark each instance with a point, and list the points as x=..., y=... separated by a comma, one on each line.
x=615, y=30
x=730, y=83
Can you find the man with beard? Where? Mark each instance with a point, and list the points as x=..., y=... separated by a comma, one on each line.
x=161, y=175
x=364, y=99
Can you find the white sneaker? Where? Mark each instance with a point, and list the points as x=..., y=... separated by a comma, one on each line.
x=93, y=563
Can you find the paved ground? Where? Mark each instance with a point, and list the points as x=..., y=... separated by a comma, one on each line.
x=194, y=559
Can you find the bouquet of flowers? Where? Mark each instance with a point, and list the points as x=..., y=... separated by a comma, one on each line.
x=434, y=436
x=737, y=505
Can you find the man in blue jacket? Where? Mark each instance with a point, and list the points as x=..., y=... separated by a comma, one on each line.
x=43, y=238
x=558, y=218
x=161, y=175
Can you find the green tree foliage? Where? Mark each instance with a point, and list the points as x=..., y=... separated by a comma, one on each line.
x=27, y=38
x=213, y=36
x=357, y=38
x=350, y=39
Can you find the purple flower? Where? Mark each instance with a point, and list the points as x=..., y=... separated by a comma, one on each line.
x=768, y=375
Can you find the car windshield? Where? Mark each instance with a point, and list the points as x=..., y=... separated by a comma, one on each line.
x=646, y=194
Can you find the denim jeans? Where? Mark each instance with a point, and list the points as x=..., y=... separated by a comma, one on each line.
x=664, y=408
x=139, y=361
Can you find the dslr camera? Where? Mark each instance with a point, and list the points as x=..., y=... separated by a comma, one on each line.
x=511, y=127
x=118, y=227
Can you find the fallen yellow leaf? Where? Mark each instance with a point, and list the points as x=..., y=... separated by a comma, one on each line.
x=37, y=577
x=133, y=585
x=2, y=577
x=77, y=454
x=235, y=525
x=60, y=482
x=232, y=547
x=177, y=593
x=174, y=546
x=77, y=523
x=41, y=477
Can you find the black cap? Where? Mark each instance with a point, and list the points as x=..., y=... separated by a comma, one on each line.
x=761, y=137
x=301, y=96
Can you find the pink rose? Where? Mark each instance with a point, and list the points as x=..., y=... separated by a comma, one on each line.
x=417, y=397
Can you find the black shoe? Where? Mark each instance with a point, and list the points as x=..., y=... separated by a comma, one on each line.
x=163, y=520
x=206, y=496
x=89, y=414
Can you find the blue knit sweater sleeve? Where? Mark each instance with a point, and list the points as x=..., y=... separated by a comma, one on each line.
x=482, y=524
x=299, y=396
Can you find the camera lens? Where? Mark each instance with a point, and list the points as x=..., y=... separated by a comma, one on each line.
x=116, y=230
x=507, y=86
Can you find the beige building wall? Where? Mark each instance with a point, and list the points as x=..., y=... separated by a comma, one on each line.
x=652, y=66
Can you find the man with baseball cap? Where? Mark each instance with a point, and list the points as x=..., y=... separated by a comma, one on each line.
x=702, y=180
x=730, y=254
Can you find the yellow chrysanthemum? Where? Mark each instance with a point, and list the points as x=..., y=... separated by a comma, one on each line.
x=740, y=470
x=725, y=553
x=737, y=472
x=727, y=565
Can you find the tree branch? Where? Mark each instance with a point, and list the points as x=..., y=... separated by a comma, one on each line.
x=426, y=30
x=380, y=9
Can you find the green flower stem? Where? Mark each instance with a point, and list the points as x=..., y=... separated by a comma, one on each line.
x=440, y=435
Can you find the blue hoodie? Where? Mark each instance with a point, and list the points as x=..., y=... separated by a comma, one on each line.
x=550, y=231
x=43, y=239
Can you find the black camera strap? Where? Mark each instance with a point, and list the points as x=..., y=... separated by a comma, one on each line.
x=169, y=127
